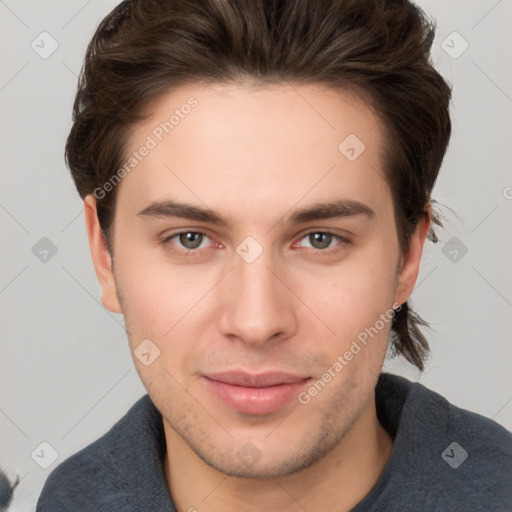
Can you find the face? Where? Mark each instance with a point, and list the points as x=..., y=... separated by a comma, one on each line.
x=256, y=262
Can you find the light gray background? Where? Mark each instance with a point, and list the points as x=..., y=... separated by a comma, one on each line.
x=66, y=369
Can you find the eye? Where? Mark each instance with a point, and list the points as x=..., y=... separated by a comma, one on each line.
x=188, y=240
x=193, y=241
x=323, y=240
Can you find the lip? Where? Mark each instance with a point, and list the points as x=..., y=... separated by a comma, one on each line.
x=261, y=393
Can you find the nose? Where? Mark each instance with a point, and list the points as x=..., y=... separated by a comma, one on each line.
x=256, y=304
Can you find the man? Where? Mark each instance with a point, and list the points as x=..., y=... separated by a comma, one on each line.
x=257, y=181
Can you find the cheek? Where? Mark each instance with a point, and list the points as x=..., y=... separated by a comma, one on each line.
x=158, y=308
x=353, y=295
x=161, y=311
x=155, y=293
x=167, y=304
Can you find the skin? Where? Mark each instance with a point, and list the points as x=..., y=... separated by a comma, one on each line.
x=255, y=155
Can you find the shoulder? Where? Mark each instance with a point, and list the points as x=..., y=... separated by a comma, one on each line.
x=100, y=474
x=479, y=457
x=487, y=438
x=460, y=458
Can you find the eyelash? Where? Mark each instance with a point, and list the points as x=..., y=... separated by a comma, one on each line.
x=331, y=251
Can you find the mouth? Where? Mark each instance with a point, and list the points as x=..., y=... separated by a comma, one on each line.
x=255, y=394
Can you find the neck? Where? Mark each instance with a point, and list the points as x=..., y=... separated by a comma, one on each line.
x=338, y=481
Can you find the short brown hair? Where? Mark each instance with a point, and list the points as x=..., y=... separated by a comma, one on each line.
x=380, y=48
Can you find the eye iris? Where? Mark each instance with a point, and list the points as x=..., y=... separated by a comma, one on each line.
x=320, y=240
x=191, y=240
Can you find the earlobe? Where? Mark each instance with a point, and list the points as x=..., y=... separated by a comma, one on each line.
x=410, y=264
x=101, y=257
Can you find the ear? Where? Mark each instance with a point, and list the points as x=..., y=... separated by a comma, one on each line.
x=410, y=262
x=101, y=257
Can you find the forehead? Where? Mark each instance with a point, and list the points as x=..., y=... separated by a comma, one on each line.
x=253, y=146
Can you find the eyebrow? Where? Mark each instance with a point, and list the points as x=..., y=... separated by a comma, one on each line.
x=341, y=208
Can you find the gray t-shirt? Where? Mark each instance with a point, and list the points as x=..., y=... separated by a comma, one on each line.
x=444, y=459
